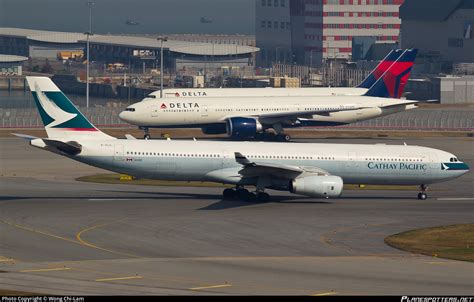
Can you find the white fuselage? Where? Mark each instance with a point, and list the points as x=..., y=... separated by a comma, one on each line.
x=170, y=112
x=258, y=92
x=216, y=161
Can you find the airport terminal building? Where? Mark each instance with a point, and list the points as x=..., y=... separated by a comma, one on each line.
x=134, y=51
x=439, y=28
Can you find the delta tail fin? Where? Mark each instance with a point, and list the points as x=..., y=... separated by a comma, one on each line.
x=392, y=83
x=381, y=68
x=61, y=119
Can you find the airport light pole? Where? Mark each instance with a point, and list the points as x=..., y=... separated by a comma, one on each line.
x=89, y=33
x=277, y=57
x=161, y=39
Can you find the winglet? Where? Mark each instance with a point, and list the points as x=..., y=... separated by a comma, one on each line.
x=241, y=159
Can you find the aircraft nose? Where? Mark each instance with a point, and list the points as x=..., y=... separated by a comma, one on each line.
x=466, y=168
x=126, y=116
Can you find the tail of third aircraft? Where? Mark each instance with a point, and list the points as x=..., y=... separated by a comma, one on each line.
x=392, y=83
x=381, y=68
x=61, y=119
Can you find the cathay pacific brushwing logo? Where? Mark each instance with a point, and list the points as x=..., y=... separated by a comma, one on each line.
x=58, y=115
x=458, y=166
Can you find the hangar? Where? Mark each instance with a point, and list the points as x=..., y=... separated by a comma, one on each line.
x=130, y=50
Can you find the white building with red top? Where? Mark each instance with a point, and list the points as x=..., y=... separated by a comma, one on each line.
x=308, y=31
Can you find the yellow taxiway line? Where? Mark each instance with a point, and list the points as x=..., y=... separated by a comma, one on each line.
x=45, y=270
x=211, y=286
x=119, y=278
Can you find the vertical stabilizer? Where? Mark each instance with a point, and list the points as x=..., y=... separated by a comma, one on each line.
x=393, y=82
x=381, y=68
x=60, y=117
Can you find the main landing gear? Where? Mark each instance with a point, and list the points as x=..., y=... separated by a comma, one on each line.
x=280, y=135
x=274, y=137
x=422, y=195
x=146, y=134
x=243, y=194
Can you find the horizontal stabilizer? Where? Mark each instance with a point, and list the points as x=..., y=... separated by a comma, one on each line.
x=24, y=136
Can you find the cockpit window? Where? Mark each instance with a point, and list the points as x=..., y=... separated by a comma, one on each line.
x=130, y=109
x=151, y=96
x=453, y=159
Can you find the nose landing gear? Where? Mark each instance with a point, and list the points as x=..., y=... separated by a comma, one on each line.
x=422, y=195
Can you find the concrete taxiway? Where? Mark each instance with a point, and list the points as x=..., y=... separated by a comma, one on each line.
x=60, y=236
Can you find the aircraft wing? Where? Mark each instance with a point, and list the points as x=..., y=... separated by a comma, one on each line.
x=295, y=114
x=401, y=103
x=256, y=169
x=69, y=148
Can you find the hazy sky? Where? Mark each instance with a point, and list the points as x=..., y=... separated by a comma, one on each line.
x=109, y=16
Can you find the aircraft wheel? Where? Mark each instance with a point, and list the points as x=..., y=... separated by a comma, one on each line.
x=245, y=195
x=242, y=193
x=147, y=136
x=284, y=138
x=251, y=197
x=263, y=197
x=229, y=194
x=422, y=196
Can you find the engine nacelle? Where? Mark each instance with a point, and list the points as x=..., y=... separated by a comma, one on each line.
x=317, y=186
x=243, y=127
x=214, y=129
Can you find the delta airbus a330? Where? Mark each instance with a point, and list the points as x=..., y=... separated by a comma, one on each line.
x=315, y=170
x=249, y=117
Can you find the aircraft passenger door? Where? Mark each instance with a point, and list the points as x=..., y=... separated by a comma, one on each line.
x=434, y=165
x=204, y=111
x=118, y=152
x=228, y=159
x=426, y=160
x=352, y=160
x=154, y=111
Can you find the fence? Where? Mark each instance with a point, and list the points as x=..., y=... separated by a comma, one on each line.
x=417, y=119
x=327, y=76
x=29, y=118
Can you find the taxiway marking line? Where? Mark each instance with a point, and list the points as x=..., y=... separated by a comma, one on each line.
x=437, y=263
x=111, y=199
x=211, y=286
x=456, y=198
x=119, y=278
x=325, y=294
x=78, y=237
x=37, y=231
x=81, y=241
x=45, y=270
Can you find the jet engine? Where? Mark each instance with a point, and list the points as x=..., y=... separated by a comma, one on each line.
x=214, y=129
x=317, y=186
x=243, y=127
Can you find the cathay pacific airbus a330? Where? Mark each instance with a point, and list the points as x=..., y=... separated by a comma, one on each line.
x=315, y=170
